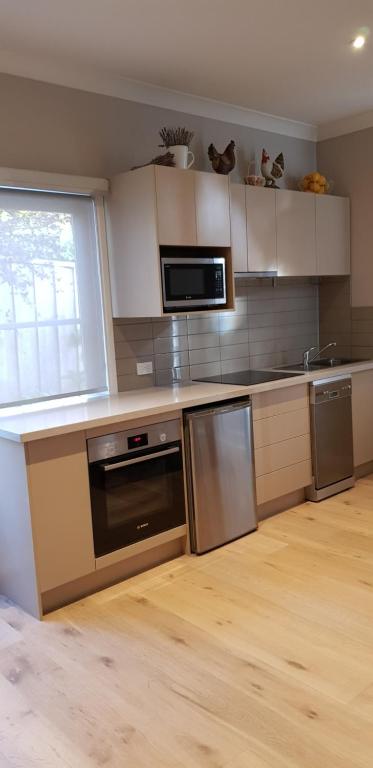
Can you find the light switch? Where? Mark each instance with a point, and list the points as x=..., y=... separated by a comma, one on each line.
x=144, y=368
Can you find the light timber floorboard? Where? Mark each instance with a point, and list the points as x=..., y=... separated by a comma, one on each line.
x=257, y=655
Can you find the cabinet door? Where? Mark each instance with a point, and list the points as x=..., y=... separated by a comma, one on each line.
x=332, y=235
x=296, y=237
x=362, y=417
x=175, y=206
x=238, y=227
x=261, y=229
x=60, y=509
x=212, y=209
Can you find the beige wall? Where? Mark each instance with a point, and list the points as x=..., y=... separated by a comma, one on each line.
x=348, y=160
x=52, y=128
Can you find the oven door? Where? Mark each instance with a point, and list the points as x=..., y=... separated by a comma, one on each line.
x=135, y=497
x=189, y=282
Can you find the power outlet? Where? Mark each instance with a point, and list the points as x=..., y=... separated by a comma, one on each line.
x=144, y=368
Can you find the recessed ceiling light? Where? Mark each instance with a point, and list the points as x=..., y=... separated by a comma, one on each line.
x=359, y=42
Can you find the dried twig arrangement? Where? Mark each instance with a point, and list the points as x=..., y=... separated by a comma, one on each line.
x=166, y=159
x=173, y=137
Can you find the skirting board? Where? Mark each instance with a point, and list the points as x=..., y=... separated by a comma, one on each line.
x=364, y=469
x=94, y=582
x=273, y=507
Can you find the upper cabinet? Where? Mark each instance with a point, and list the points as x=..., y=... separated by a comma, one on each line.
x=295, y=232
x=158, y=206
x=212, y=209
x=253, y=229
x=175, y=204
x=192, y=208
x=238, y=228
x=261, y=229
x=332, y=235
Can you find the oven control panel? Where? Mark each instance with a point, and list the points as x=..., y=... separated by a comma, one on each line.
x=129, y=441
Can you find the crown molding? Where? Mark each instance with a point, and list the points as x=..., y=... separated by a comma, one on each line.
x=109, y=84
x=345, y=125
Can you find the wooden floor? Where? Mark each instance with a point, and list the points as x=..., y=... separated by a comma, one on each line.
x=258, y=655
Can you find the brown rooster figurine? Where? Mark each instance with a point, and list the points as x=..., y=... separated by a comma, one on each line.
x=222, y=162
x=272, y=170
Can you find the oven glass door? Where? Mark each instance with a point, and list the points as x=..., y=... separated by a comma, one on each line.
x=197, y=282
x=134, y=497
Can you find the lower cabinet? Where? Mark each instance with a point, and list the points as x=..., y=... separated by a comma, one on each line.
x=282, y=442
x=60, y=509
x=362, y=417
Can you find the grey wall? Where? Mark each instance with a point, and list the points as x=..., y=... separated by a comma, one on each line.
x=335, y=321
x=51, y=128
x=272, y=325
x=348, y=160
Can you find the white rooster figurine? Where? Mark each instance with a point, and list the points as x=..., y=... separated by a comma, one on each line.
x=272, y=170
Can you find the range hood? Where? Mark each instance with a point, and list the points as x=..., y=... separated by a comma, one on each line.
x=272, y=273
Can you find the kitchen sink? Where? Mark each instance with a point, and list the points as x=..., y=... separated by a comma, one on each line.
x=323, y=362
x=331, y=362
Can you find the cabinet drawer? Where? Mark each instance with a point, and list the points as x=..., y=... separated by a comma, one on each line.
x=282, y=427
x=283, y=481
x=279, y=401
x=280, y=455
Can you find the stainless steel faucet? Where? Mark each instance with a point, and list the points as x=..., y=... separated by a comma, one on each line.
x=306, y=355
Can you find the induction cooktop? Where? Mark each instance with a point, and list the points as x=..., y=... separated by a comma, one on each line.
x=248, y=378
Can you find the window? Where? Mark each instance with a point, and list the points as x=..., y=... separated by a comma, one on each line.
x=51, y=319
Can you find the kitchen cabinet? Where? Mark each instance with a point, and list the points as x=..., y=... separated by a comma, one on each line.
x=253, y=228
x=238, y=227
x=158, y=207
x=60, y=509
x=362, y=417
x=295, y=233
x=46, y=536
x=261, y=229
x=192, y=208
x=332, y=235
x=175, y=203
x=290, y=232
x=212, y=209
x=282, y=442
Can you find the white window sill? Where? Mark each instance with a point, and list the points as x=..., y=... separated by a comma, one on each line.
x=44, y=405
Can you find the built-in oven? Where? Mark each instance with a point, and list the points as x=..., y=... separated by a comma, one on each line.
x=136, y=484
x=193, y=282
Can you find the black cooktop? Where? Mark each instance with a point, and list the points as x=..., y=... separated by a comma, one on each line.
x=248, y=378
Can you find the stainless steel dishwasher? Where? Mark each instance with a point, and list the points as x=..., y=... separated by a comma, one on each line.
x=220, y=474
x=331, y=437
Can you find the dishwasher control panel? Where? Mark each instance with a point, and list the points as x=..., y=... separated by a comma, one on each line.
x=330, y=389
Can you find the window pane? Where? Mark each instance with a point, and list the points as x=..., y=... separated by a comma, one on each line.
x=51, y=324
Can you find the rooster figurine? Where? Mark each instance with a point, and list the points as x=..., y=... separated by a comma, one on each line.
x=272, y=171
x=222, y=162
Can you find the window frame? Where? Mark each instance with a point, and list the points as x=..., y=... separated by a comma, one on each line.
x=96, y=189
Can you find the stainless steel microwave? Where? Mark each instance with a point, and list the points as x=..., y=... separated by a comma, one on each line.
x=193, y=283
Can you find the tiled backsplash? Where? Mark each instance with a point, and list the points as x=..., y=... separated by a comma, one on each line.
x=362, y=332
x=335, y=315
x=272, y=325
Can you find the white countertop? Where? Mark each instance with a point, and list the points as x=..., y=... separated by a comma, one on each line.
x=126, y=406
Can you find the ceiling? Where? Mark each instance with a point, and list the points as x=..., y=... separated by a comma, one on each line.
x=289, y=58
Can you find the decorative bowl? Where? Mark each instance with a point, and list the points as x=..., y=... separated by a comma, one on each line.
x=254, y=181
